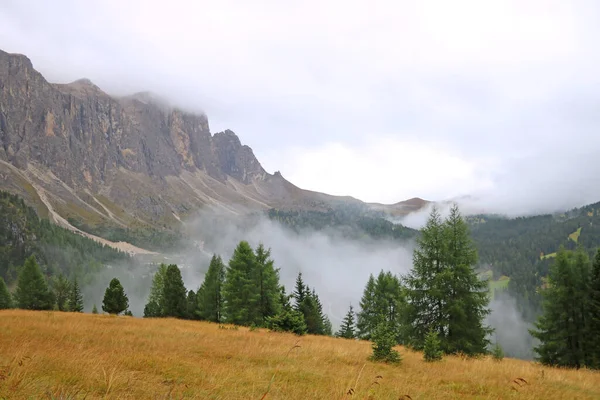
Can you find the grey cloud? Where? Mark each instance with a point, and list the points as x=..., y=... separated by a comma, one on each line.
x=512, y=83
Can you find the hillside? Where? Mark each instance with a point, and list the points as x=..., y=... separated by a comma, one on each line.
x=23, y=233
x=121, y=167
x=130, y=358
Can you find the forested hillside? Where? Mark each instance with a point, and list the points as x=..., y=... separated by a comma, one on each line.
x=23, y=233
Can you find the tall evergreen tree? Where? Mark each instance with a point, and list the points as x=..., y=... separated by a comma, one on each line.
x=174, y=294
x=267, y=282
x=61, y=288
x=382, y=302
x=155, y=303
x=299, y=292
x=32, y=290
x=443, y=291
x=75, y=300
x=367, y=318
x=210, y=295
x=561, y=328
x=467, y=296
x=593, y=344
x=191, y=305
x=425, y=299
x=347, y=329
x=5, y=296
x=115, y=300
x=239, y=290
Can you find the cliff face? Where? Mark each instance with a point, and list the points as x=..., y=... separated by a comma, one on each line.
x=82, y=134
x=85, y=158
x=82, y=156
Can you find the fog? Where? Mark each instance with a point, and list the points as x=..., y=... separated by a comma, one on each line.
x=511, y=331
x=436, y=99
x=338, y=268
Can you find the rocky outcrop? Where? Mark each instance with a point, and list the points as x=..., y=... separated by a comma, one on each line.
x=100, y=159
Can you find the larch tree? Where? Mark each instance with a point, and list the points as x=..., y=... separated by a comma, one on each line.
x=239, y=290
x=561, y=329
x=210, y=302
x=155, y=300
x=32, y=289
x=267, y=283
x=174, y=295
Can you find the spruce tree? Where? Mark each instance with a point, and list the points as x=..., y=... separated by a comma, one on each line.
x=367, y=318
x=431, y=347
x=424, y=297
x=115, y=300
x=94, y=309
x=593, y=344
x=561, y=328
x=174, y=295
x=299, y=292
x=384, y=339
x=267, y=282
x=347, y=329
x=75, y=300
x=5, y=296
x=210, y=295
x=61, y=289
x=32, y=290
x=288, y=319
x=155, y=300
x=443, y=291
x=191, y=305
x=239, y=290
x=497, y=352
x=467, y=296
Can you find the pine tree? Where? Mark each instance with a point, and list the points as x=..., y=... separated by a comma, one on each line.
x=347, y=329
x=32, y=290
x=174, y=295
x=239, y=290
x=431, y=348
x=384, y=339
x=467, y=296
x=267, y=282
x=425, y=301
x=593, y=344
x=75, y=300
x=191, y=305
x=115, y=300
x=367, y=318
x=288, y=319
x=443, y=291
x=210, y=295
x=561, y=328
x=94, y=309
x=5, y=296
x=155, y=300
x=61, y=289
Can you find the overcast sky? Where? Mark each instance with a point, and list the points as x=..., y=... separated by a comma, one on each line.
x=381, y=100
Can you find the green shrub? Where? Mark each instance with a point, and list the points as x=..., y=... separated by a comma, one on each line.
x=384, y=340
x=431, y=349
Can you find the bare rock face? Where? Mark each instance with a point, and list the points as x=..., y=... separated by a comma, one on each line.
x=79, y=154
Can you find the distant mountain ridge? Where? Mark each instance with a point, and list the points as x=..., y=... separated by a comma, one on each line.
x=85, y=158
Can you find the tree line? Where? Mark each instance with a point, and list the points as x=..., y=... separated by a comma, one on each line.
x=438, y=307
x=244, y=292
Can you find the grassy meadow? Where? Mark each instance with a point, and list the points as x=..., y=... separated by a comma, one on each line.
x=54, y=355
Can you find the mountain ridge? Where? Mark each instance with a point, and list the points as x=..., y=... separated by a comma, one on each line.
x=84, y=157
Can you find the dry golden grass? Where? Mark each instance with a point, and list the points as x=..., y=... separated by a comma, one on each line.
x=65, y=355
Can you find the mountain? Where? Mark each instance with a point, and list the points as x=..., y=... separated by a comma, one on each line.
x=108, y=165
